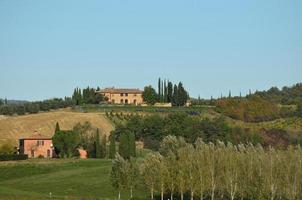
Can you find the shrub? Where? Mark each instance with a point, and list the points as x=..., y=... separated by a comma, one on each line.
x=8, y=157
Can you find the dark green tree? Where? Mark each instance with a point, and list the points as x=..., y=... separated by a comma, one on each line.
x=149, y=95
x=175, y=96
x=98, y=147
x=159, y=89
x=112, y=146
x=57, y=127
x=132, y=145
x=299, y=110
x=104, y=146
x=124, y=149
x=66, y=143
x=169, y=92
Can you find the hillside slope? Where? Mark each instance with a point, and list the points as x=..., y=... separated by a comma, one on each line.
x=12, y=128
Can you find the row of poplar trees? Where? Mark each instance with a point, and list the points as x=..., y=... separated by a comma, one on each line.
x=172, y=93
x=215, y=171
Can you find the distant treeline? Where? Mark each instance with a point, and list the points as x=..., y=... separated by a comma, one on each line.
x=79, y=97
x=286, y=96
x=34, y=107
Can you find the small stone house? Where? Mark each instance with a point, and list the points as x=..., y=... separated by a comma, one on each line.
x=36, y=146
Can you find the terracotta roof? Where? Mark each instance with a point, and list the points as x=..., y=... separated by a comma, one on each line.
x=36, y=136
x=120, y=90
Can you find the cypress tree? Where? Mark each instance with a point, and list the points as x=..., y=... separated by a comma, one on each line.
x=124, y=149
x=104, y=146
x=159, y=89
x=175, y=96
x=165, y=92
x=57, y=129
x=170, y=92
x=98, y=149
x=162, y=92
x=132, y=145
x=112, y=147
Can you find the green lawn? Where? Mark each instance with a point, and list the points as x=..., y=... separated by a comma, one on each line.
x=65, y=179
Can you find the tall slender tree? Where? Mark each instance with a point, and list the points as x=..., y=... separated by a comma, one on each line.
x=98, y=147
x=112, y=146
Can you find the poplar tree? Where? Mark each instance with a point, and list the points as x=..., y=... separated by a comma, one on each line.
x=119, y=174
x=149, y=172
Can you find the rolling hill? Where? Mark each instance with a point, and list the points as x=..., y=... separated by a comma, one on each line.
x=13, y=128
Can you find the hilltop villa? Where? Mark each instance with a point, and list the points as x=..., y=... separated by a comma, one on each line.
x=36, y=146
x=122, y=96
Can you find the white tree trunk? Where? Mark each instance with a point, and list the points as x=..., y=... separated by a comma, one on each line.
x=152, y=193
x=162, y=192
x=131, y=192
x=119, y=195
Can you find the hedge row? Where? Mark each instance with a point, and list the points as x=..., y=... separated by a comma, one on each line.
x=8, y=157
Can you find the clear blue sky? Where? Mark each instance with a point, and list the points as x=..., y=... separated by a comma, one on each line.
x=47, y=48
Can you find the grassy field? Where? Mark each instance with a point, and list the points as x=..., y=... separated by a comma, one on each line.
x=65, y=179
x=12, y=128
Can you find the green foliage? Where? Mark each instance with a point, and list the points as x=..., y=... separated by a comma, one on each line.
x=152, y=129
x=66, y=143
x=11, y=157
x=98, y=147
x=127, y=146
x=149, y=95
x=104, y=146
x=222, y=171
x=287, y=95
x=35, y=107
x=251, y=109
x=299, y=110
x=7, y=148
x=57, y=127
x=112, y=146
x=86, y=96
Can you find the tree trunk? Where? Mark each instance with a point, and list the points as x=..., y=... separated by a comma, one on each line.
x=181, y=195
x=131, y=192
x=213, y=193
x=119, y=195
x=172, y=195
x=192, y=195
x=162, y=192
x=152, y=193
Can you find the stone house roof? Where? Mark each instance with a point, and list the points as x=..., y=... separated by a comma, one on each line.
x=120, y=90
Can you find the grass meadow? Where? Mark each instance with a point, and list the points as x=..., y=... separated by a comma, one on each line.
x=64, y=179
